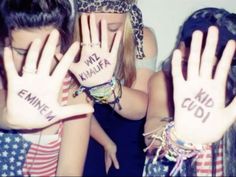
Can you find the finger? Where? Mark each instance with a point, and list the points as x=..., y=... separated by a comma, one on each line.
x=32, y=58
x=115, y=161
x=104, y=35
x=108, y=163
x=223, y=67
x=65, y=63
x=85, y=29
x=177, y=67
x=208, y=56
x=194, y=57
x=75, y=110
x=94, y=31
x=48, y=53
x=9, y=64
x=116, y=43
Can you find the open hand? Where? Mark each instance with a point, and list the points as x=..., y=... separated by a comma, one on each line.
x=97, y=63
x=200, y=113
x=32, y=99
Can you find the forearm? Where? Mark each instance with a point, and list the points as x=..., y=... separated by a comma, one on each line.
x=159, y=105
x=133, y=104
x=98, y=133
x=74, y=146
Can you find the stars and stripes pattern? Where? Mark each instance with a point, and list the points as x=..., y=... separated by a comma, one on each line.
x=42, y=160
x=13, y=149
x=20, y=157
x=154, y=169
x=204, y=162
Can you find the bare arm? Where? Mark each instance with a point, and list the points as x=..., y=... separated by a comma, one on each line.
x=74, y=145
x=134, y=100
x=99, y=134
x=160, y=103
x=109, y=146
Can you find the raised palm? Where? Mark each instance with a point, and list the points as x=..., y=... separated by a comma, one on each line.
x=97, y=62
x=32, y=99
x=200, y=113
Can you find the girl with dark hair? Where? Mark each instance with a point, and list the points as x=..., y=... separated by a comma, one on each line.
x=206, y=119
x=38, y=90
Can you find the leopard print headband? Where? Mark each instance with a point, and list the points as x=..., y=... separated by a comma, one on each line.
x=118, y=6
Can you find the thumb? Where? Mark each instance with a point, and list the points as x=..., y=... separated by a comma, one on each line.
x=115, y=161
x=74, y=110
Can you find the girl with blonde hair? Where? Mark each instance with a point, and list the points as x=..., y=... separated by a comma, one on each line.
x=117, y=125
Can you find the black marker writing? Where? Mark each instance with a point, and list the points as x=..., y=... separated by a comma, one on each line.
x=92, y=59
x=37, y=104
x=198, y=105
x=204, y=98
x=99, y=65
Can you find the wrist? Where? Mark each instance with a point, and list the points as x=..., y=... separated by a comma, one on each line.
x=109, y=144
x=106, y=93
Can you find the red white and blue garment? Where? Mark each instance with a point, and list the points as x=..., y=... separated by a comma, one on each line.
x=26, y=155
x=13, y=150
x=203, y=165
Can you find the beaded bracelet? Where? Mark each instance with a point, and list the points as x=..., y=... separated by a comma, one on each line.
x=101, y=93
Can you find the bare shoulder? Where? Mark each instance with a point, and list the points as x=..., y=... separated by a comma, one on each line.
x=149, y=43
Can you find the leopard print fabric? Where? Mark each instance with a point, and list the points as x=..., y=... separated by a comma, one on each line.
x=118, y=6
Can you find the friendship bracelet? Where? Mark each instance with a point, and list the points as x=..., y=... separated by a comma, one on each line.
x=178, y=150
x=102, y=92
x=173, y=148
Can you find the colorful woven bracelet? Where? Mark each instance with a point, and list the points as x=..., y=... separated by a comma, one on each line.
x=102, y=92
x=174, y=149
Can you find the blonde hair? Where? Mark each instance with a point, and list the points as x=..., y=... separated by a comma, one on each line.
x=126, y=64
x=125, y=69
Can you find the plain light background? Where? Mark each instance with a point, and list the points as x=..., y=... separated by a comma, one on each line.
x=166, y=16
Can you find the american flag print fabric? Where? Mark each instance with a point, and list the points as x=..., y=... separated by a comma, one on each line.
x=13, y=150
x=20, y=157
x=42, y=160
x=202, y=165
x=204, y=162
x=160, y=168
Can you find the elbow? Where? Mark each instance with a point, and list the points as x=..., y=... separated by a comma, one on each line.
x=141, y=111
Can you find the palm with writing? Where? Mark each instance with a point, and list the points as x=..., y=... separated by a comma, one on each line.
x=200, y=113
x=97, y=62
x=32, y=99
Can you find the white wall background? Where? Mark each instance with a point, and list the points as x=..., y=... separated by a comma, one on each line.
x=166, y=16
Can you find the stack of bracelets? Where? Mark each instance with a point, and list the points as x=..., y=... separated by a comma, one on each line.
x=103, y=92
x=173, y=148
